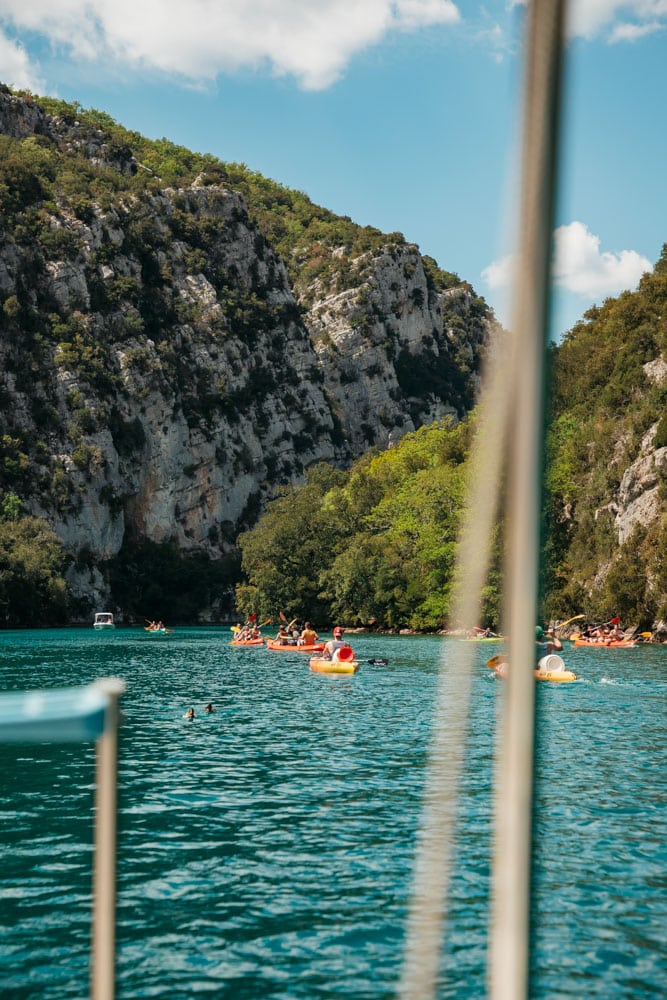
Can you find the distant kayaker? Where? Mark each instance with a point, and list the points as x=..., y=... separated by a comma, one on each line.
x=190, y=714
x=283, y=636
x=333, y=645
x=309, y=636
x=209, y=709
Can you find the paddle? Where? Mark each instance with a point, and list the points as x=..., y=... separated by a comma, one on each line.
x=495, y=661
x=378, y=661
x=574, y=618
x=237, y=628
x=612, y=621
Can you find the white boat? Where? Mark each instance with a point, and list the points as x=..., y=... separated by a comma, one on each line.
x=103, y=620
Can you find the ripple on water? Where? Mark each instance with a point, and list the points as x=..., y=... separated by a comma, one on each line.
x=267, y=850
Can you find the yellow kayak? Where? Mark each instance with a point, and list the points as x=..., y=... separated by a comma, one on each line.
x=321, y=666
x=555, y=675
x=552, y=668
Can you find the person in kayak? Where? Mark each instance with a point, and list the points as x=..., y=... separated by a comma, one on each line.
x=283, y=636
x=546, y=642
x=309, y=636
x=333, y=645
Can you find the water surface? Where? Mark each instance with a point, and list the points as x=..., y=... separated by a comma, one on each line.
x=266, y=851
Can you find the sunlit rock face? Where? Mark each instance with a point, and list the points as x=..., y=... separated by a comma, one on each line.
x=160, y=374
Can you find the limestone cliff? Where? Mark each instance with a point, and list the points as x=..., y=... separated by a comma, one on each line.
x=163, y=372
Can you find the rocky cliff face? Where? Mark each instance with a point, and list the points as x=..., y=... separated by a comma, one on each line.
x=639, y=500
x=160, y=376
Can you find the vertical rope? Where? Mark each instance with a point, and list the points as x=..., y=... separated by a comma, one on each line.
x=435, y=846
x=510, y=918
x=103, y=972
x=513, y=394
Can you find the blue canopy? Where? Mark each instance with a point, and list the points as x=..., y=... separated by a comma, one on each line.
x=57, y=715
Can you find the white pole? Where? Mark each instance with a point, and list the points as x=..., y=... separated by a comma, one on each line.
x=510, y=911
x=104, y=869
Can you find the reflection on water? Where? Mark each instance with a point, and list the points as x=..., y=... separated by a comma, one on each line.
x=266, y=850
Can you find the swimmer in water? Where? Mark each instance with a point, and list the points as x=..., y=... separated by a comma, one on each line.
x=209, y=709
x=190, y=714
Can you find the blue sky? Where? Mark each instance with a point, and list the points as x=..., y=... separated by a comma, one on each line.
x=402, y=114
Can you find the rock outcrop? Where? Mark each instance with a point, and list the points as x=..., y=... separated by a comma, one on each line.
x=639, y=500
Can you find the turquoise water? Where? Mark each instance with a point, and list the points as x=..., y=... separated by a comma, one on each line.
x=266, y=850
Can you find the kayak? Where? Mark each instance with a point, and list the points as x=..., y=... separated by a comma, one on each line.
x=552, y=668
x=247, y=642
x=555, y=675
x=485, y=638
x=158, y=631
x=320, y=666
x=292, y=647
x=606, y=643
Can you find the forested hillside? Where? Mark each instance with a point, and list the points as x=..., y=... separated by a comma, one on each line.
x=607, y=455
x=372, y=546
x=375, y=546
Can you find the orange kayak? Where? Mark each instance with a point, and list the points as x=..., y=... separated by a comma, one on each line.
x=291, y=647
x=606, y=643
x=247, y=642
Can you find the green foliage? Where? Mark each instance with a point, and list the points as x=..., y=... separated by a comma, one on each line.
x=14, y=460
x=10, y=507
x=292, y=542
x=376, y=544
x=436, y=278
x=32, y=588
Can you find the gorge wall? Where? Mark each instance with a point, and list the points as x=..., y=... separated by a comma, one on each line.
x=163, y=372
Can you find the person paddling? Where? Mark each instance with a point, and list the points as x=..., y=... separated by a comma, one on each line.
x=282, y=636
x=546, y=642
x=309, y=636
x=332, y=647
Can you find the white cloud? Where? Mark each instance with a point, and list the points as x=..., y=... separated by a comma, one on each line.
x=15, y=67
x=632, y=32
x=198, y=39
x=579, y=266
x=500, y=273
x=588, y=18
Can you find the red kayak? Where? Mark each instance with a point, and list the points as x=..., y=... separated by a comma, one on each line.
x=292, y=647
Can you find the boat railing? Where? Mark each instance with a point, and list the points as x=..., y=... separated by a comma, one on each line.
x=80, y=715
